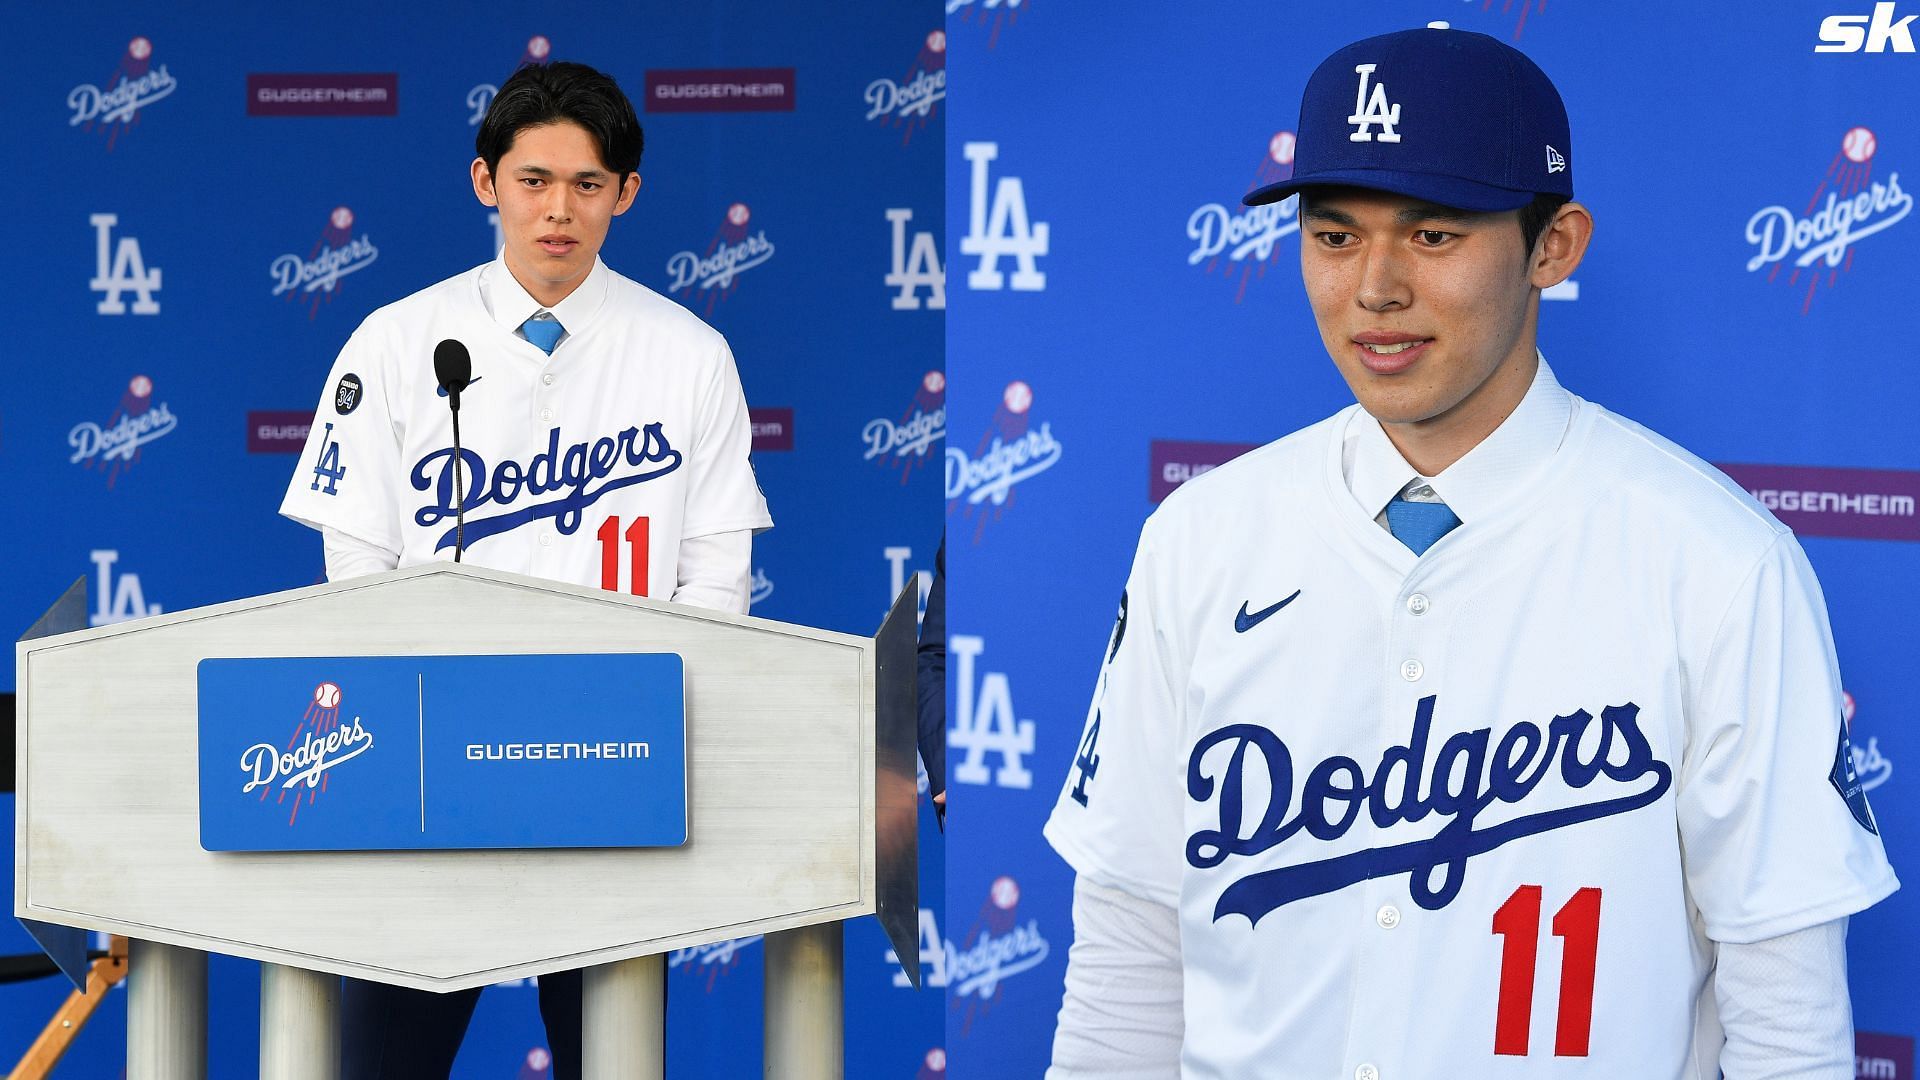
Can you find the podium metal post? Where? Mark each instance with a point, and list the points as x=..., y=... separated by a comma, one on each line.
x=805, y=1009
x=623, y=1020
x=166, y=1012
x=299, y=1024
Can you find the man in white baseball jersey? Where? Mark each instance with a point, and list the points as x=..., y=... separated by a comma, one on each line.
x=1475, y=731
x=604, y=439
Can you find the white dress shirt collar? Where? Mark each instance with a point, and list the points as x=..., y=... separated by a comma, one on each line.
x=510, y=304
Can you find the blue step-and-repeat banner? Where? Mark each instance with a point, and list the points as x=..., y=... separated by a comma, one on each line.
x=1120, y=324
x=221, y=192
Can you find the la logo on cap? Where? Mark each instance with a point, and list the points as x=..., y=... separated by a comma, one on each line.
x=1367, y=113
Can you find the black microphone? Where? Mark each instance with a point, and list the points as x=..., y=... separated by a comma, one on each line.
x=453, y=366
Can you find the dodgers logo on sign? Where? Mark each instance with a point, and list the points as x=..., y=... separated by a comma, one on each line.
x=1247, y=239
x=904, y=443
x=302, y=767
x=480, y=98
x=132, y=86
x=1821, y=236
x=115, y=445
x=910, y=102
x=1011, y=452
x=316, y=276
x=714, y=274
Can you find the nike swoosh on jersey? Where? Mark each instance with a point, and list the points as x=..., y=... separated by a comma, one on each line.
x=442, y=391
x=1244, y=622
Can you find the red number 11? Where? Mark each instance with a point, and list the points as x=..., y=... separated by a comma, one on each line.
x=1518, y=922
x=609, y=535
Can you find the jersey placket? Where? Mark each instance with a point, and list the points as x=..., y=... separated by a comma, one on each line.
x=544, y=413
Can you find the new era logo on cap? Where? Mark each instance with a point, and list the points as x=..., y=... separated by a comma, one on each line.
x=1447, y=116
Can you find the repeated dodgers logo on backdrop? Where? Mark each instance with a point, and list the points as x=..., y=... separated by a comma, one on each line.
x=115, y=446
x=909, y=104
x=116, y=103
x=989, y=15
x=712, y=962
x=714, y=273
x=905, y=442
x=1012, y=452
x=1871, y=767
x=303, y=766
x=315, y=277
x=1000, y=945
x=1242, y=241
x=1816, y=244
x=480, y=98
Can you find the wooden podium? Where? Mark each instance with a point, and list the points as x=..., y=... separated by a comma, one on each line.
x=801, y=808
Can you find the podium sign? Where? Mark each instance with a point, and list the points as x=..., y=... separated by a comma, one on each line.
x=373, y=753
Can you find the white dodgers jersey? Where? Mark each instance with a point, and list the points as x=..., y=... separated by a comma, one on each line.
x=588, y=466
x=1481, y=813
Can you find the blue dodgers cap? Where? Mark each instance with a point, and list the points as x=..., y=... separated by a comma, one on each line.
x=1448, y=116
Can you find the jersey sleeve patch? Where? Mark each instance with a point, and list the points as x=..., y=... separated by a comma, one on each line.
x=1847, y=783
x=346, y=395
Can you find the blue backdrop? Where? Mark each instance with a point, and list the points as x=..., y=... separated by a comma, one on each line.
x=156, y=404
x=1120, y=322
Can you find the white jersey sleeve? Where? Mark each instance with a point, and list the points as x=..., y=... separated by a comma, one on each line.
x=1775, y=831
x=1118, y=818
x=350, y=471
x=723, y=494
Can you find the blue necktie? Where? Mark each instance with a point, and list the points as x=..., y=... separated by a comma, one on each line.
x=543, y=332
x=1419, y=524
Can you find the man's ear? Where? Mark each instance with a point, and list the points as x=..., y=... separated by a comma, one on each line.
x=629, y=188
x=483, y=183
x=1561, y=247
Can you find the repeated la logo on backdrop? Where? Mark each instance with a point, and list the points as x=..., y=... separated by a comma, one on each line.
x=481, y=96
x=120, y=268
x=990, y=14
x=114, y=447
x=915, y=268
x=933, y=955
x=998, y=946
x=132, y=86
x=1818, y=241
x=1010, y=453
x=733, y=251
x=316, y=277
x=999, y=228
x=120, y=596
x=711, y=962
x=985, y=722
x=1248, y=240
x=303, y=767
x=904, y=443
x=909, y=103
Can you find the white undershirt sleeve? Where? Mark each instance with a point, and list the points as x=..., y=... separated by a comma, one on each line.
x=1784, y=1005
x=351, y=557
x=716, y=571
x=1122, y=1018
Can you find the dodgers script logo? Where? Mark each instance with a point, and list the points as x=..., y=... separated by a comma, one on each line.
x=732, y=252
x=580, y=475
x=1249, y=238
x=1333, y=792
x=132, y=86
x=1009, y=453
x=480, y=98
x=992, y=14
x=320, y=742
x=910, y=102
x=712, y=961
x=114, y=446
x=1870, y=766
x=999, y=946
x=904, y=442
x=1821, y=237
x=317, y=276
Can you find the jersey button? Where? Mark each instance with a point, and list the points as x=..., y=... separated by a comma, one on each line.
x=546, y=414
x=546, y=539
x=1418, y=604
x=1412, y=670
x=1366, y=1072
x=547, y=379
x=1388, y=917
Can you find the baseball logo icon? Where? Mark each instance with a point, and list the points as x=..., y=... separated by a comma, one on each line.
x=934, y=382
x=937, y=41
x=1018, y=399
x=140, y=387
x=1858, y=145
x=1005, y=893
x=737, y=214
x=1280, y=148
x=327, y=695
x=539, y=47
x=1846, y=707
x=140, y=48
x=937, y=1059
x=341, y=218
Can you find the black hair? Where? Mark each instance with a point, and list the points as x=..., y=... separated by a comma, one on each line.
x=1535, y=216
x=540, y=94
